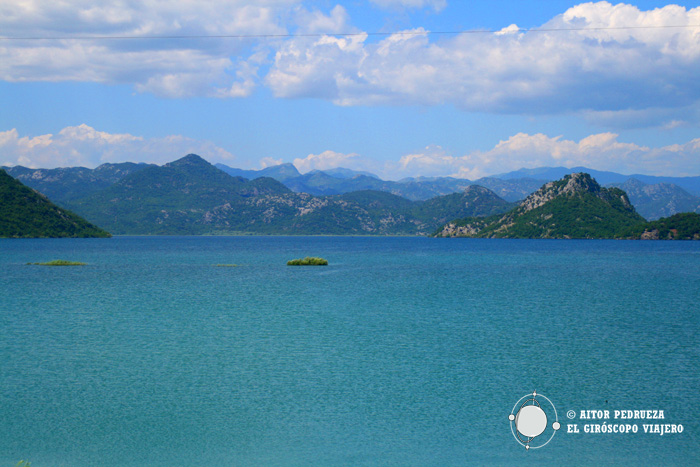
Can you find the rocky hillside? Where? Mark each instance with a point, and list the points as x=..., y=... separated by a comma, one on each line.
x=573, y=207
x=63, y=184
x=24, y=213
x=190, y=196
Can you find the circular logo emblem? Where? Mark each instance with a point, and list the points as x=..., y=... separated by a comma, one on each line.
x=529, y=421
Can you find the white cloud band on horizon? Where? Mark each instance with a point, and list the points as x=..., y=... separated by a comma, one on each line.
x=85, y=146
x=327, y=160
x=601, y=151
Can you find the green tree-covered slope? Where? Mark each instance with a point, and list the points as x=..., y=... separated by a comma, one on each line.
x=187, y=196
x=24, y=213
x=682, y=226
x=191, y=197
x=66, y=183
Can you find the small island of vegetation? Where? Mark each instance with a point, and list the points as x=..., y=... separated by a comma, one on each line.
x=308, y=261
x=59, y=262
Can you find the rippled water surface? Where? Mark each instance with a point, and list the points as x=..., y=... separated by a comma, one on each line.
x=403, y=351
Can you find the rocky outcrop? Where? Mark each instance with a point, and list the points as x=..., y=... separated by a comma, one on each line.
x=573, y=207
x=571, y=185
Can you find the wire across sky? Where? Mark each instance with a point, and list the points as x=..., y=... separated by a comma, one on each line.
x=292, y=35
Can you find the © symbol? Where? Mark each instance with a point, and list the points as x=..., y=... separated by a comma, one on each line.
x=571, y=414
x=528, y=420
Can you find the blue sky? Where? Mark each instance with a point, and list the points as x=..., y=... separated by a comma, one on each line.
x=608, y=86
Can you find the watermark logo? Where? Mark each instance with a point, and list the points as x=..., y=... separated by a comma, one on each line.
x=530, y=421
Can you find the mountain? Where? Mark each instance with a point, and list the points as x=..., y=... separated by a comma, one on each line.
x=321, y=183
x=512, y=190
x=64, y=184
x=549, y=174
x=281, y=173
x=573, y=207
x=340, y=180
x=340, y=172
x=474, y=201
x=691, y=184
x=190, y=196
x=25, y=213
x=179, y=197
x=660, y=199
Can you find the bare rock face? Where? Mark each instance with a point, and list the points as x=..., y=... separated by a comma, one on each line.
x=569, y=185
x=454, y=230
x=650, y=235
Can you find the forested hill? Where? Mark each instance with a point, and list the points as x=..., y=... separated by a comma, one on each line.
x=191, y=197
x=24, y=213
x=573, y=207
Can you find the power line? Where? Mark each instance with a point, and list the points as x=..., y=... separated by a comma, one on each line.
x=350, y=34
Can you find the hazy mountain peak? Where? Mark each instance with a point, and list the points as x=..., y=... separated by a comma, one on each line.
x=188, y=160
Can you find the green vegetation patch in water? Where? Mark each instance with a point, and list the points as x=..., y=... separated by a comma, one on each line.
x=60, y=262
x=226, y=265
x=308, y=261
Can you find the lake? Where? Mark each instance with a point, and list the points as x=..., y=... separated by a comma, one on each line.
x=402, y=351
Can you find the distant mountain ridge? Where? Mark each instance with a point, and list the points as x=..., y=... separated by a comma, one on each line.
x=190, y=196
x=691, y=184
x=653, y=199
x=341, y=180
x=658, y=200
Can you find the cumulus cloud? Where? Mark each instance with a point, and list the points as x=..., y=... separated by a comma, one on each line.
x=643, y=65
x=170, y=68
x=316, y=22
x=437, y=5
x=431, y=161
x=85, y=146
x=328, y=160
x=601, y=151
x=269, y=162
x=613, y=63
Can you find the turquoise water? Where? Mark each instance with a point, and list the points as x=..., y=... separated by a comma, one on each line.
x=403, y=351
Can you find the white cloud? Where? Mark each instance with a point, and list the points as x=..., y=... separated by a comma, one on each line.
x=599, y=151
x=437, y=5
x=512, y=29
x=629, y=67
x=595, y=70
x=84, y=146
x=269, y=162
x=315, y=22
x=165, y=67
x=431, y=161
x=328, y=160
